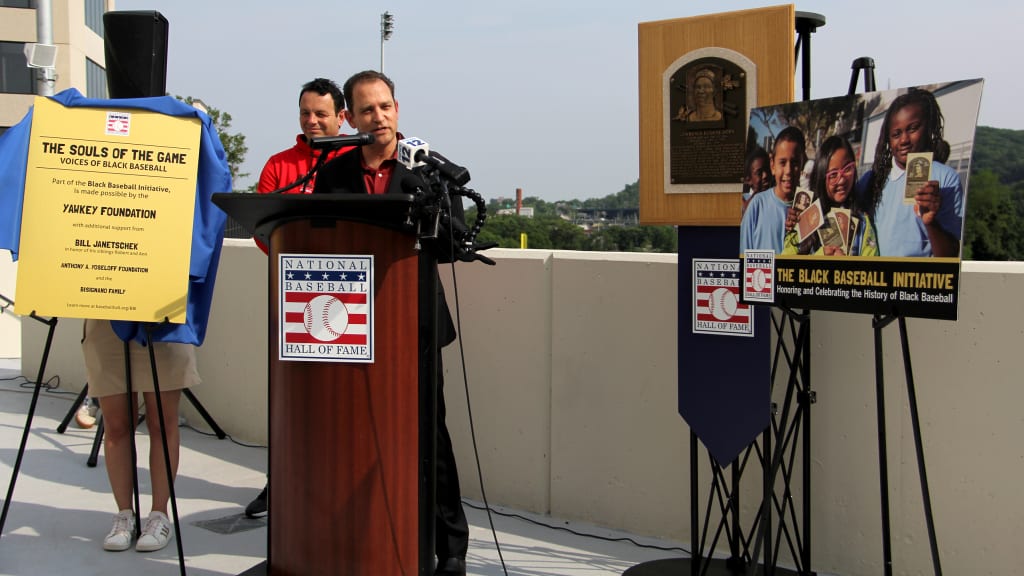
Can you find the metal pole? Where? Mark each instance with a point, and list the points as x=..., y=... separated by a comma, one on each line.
x=44, y=35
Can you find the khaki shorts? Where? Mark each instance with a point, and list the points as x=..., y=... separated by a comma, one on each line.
x=105, y=370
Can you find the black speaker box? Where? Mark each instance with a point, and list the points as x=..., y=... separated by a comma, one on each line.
x=135, y=46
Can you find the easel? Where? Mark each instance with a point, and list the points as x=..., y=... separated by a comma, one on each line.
x=52, y=326
x=878, y=323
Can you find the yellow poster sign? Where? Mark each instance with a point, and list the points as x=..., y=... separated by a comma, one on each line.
x=107, y=222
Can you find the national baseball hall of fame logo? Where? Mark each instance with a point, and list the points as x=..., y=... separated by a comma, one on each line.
x=716, y=299
x=326, y=304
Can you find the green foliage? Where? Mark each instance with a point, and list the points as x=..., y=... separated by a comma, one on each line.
x=234, y=144
x=995, y=197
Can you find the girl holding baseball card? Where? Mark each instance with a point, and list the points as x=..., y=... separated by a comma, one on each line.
x=925, y=219
x=846, y=229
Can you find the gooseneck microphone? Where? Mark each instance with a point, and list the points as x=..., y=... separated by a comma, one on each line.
x=335, y=142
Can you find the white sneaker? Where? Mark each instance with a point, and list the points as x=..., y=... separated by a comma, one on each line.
x=156, y=533
x=123, y=532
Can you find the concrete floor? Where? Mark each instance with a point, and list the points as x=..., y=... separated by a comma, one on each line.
x=61, y=509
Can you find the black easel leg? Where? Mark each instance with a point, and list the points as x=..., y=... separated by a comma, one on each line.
x=918, y=444
x=132, y=406
x=28, y=421
x=883, y=458
x=74, y=410
x=96, y=443
x=206, y=415
x=167, y=455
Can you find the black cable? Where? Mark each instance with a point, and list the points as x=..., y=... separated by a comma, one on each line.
x=575, y=532
x=469, y=412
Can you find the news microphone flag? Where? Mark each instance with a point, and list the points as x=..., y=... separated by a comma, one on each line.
x=409, y=151
x=326, y=304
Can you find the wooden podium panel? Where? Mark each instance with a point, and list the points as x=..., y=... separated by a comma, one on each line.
x=344, y=436
x=765, y=36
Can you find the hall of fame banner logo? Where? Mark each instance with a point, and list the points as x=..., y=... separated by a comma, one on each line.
x=716, y=299
x=759, y=276
x=326, y=304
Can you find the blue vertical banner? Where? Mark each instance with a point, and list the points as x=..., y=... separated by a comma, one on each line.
x=724, y=375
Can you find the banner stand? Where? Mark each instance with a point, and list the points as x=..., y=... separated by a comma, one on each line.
x=726, y=493
x=782, y=457
x=879, y=323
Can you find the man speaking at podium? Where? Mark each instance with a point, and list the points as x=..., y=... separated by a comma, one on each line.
x=374, y=169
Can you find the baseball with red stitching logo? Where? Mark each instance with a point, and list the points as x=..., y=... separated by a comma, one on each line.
x=722, y=304
x=325, y=318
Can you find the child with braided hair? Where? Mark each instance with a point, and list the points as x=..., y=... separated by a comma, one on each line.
x=931, y=225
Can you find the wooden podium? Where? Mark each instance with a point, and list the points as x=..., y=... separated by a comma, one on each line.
x=344, y=437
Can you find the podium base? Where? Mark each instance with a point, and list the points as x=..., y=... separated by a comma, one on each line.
x=681, y=567
x=257, y=570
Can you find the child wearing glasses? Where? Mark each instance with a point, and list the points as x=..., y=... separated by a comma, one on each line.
x=930, y=223
x=847, y=229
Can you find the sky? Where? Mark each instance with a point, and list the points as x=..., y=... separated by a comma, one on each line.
x=542, y=95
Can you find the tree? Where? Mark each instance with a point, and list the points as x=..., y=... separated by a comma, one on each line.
x=234, y=144
x=993, y=231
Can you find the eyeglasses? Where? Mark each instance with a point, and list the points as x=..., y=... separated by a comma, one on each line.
x=846, y=171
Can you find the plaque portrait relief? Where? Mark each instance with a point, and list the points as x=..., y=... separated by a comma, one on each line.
x=708, y=94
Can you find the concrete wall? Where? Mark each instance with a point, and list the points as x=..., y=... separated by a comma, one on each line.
x=571, y=371
x=10, y=325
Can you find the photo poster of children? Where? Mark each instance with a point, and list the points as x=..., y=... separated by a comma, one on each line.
x=864, y=199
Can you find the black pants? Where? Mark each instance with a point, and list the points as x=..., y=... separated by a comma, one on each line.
x=451, y=539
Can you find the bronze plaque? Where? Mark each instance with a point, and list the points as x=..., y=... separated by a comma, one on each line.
x=708, y=122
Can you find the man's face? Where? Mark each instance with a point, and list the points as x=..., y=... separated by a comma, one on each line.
x=317, y=117
x=906, y=133
x=786, y=165
x=374, y=110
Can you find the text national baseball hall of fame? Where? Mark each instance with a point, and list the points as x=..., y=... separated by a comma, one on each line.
x=716, y=299
x=326, y=304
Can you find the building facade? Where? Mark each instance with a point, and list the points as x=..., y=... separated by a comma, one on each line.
x=77, y=32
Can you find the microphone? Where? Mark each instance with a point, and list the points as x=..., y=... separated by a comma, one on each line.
x=335, y=142
x=413, y=152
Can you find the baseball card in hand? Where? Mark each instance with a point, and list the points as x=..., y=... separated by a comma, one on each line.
x=829, y=234
x=919, y=172
x=809, y=220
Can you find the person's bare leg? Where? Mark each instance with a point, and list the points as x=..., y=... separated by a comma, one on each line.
x=157, y=470
x=118, y=429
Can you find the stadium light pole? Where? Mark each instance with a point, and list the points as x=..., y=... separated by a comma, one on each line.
x=387, y=27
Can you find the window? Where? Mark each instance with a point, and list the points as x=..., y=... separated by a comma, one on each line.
x=95, y=80
x=94, y=15
x=15, y=75
x=14, y=4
